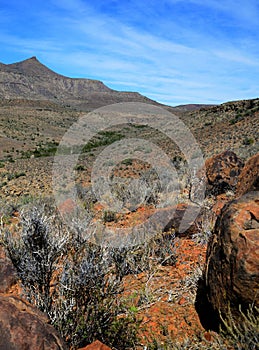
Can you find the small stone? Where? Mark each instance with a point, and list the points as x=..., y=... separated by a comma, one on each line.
x=97, y=345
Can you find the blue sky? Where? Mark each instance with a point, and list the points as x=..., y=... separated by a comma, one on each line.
x=173, y=51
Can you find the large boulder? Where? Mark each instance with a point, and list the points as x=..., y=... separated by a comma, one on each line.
x=249, y=177
x=8, y=275
x=22, y=327
x=232, y=262
x=222, y=171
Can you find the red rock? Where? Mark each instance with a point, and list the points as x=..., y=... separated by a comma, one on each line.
x=249, y=177
x=207, y=336
x=182, y=301
x=67, y=207
x=221, y=200
x=7, y=272
x=97, y=345
x=22, y=326
x=222, y=171
x=232, y=262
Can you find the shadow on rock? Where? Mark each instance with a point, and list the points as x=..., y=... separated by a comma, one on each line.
x=208, y=317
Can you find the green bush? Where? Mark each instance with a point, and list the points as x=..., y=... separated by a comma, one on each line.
x=248, y=141
x=109, y=216
x=102, y=139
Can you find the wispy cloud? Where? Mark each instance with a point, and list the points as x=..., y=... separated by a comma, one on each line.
x=163, y=49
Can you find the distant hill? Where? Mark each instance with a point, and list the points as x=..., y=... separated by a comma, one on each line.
x=31, y=80
x=192, y=107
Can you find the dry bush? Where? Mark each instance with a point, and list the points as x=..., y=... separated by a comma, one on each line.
x=36, y=254
x=78, y=283
x=243, y=335
x=87, y=303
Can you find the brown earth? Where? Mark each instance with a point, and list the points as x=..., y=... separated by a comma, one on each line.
x=167, y=298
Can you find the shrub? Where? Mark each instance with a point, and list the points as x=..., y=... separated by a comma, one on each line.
x=88, y=306
x=71, y=279
x=15, y=175
x=159, y=249
x=242, y=335
x=135, y=192
x=36, y=255
x=103, y=138
x=79, y=167
x=248, y=141
x=76, y=282
x=109, y=216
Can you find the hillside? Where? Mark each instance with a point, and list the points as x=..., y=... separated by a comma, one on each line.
x=30, y=79
x=33, y=128
x=142, y=296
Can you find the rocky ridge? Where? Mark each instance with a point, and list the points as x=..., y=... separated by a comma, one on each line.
x=30, y=79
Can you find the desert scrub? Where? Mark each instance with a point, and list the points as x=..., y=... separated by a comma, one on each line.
x=36, y=254
x=77, y=283
x=248, y=141
x=242, y=335
x=195, y=343
x=204, y=224
x=7, y=209
x=103, y=138
x=132, y=193
x=89, y=306
x=109, y=216
x=12, y=176
x=157, y=250
x=42, y=150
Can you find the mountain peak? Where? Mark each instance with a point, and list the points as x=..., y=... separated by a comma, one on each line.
x=31, y=67
x=33, y=58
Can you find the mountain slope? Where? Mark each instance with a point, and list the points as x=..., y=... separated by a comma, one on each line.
x=30, y=79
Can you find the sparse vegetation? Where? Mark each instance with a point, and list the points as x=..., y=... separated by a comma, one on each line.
x=77, y=283
x=42, y=150
x=82, y=286
x=103, y=138
x=109, y=216
x=237, y=336
x=248, y=141
x=242, y=335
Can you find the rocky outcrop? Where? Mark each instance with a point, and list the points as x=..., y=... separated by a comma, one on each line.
x=24, y=327
x=7, y=272
x=249, y=177
x=232, y=262
x=222, y=171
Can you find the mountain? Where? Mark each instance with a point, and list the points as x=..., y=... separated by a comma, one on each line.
x=192, y=107
x=31, y=80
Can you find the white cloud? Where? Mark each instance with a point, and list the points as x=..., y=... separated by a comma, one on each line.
x=183, y=63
